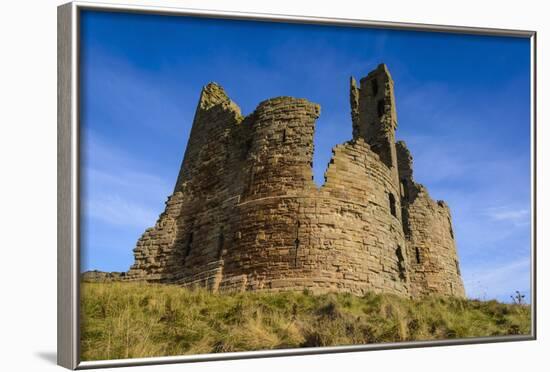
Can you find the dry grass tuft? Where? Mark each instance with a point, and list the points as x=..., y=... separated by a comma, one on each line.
x=131, y=320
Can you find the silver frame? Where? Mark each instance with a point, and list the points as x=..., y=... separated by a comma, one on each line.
x=68, y=172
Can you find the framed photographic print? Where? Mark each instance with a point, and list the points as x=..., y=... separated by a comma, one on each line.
x=235, y=185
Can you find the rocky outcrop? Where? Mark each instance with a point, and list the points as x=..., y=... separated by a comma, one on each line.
x=102, y=276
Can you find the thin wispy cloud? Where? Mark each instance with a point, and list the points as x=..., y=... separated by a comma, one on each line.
x=127, y=198
x=130, y=181
x=120, y=200
x=119, y=211
x=136, y=98
x=515, y=216
x=491, y=281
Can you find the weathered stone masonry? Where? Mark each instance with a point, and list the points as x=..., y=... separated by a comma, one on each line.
x=246, y=215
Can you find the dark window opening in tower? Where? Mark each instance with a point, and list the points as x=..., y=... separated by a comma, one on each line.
x=221, y=243
x=400, y=263
x=457, y=267
x=417, y=254
x=392, y=204
x=374, y=85
x=189, y=244
x=380, y=107
x=247, y=147
x=284, y=135
x=405, y=186
x=296, y=243
x=251, y=179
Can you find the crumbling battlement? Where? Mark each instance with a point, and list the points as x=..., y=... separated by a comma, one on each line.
x=245, y=213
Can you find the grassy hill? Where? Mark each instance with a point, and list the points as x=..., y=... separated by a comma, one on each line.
x=130, y=320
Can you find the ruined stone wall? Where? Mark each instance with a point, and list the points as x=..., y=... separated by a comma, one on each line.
x=342, y=236
x=184, y=243
x=434, y=266
x=246, y=215
x=361, y=228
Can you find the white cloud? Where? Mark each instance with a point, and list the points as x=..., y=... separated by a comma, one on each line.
x=127, y=198
x=117, y=192
x=127, y=181
x=515, y=216
x=119, y=211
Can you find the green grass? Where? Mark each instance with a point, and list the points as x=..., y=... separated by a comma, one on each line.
x=131, y=320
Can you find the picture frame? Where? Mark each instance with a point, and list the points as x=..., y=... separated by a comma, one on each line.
x=69, y=186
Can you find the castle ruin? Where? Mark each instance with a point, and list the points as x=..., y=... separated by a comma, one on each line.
x=246, y=214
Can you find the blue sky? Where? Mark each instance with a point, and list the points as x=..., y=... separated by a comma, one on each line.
x=462, y=104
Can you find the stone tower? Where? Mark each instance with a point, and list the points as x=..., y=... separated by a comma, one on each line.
x=374, y=117
x=246, y=215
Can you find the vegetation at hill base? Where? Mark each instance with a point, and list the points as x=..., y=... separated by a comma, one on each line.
x=132, y=320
